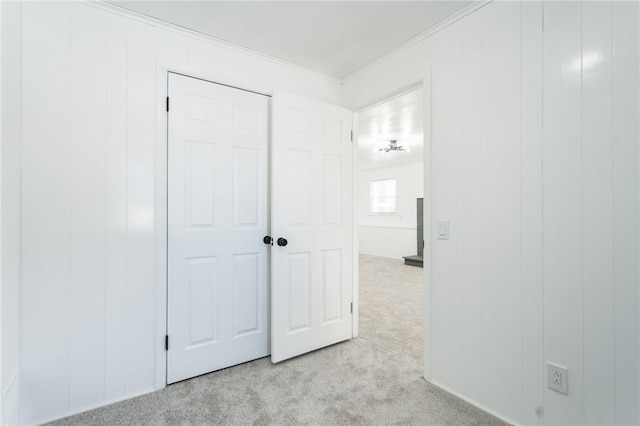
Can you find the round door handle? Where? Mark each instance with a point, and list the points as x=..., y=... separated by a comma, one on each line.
x=268, y=240
x=282, y=242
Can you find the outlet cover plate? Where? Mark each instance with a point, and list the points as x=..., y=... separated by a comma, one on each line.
x=557, y=378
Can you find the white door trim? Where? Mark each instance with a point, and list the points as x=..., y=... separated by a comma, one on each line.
x=428, y=323
x=356, y=244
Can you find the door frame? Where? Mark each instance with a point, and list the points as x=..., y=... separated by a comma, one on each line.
x=163, y=68
x=428, y=305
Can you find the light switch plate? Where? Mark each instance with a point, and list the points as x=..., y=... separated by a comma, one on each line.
x=442, y=230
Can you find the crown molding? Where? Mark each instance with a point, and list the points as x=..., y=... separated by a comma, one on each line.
x=477, y=4
x=158, y=23
x=108, y=7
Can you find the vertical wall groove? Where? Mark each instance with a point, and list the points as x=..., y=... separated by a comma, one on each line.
x=70, y=212
x=613, y=206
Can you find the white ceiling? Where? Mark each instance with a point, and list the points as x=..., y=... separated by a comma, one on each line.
x=333, y=37
x=401, y=119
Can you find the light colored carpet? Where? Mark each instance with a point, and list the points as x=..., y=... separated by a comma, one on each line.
x=391, y=297
x=375, y=379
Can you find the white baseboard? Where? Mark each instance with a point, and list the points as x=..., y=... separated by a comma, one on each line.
x=474, y=403
x=11, y=401
x=94, y=406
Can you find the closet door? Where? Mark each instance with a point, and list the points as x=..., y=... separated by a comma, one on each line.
x=311, y=222
x=218, y=312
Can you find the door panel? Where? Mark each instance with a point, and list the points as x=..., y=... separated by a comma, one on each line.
x=298, y=292
x=312, y=202
x=200, y=180
x=331, y=286
x=217, y=215
x=246, y=294
x=202, y=286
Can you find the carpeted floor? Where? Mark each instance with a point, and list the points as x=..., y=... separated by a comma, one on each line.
x=391, y=305
x=375, y=379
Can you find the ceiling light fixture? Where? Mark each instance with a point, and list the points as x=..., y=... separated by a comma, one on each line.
x=393, y=146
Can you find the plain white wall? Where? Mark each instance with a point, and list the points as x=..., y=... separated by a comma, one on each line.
x=10, y=222
x=535, y=164
x=390, y=235
x=88, y=308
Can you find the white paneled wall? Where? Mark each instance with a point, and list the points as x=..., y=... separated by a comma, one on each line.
x=531, y=95
x=88, y=302
x=10, y=266
x=390, y=235
x=535, y=164
x=534, y=131
x=562, y=201
x=625, y=226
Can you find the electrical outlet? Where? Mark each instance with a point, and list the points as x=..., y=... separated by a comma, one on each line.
x=557, y=378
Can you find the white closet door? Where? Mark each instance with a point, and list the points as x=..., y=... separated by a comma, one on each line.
x=312, y=202
x=217, y=216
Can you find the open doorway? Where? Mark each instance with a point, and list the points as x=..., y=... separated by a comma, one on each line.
x=390, y=182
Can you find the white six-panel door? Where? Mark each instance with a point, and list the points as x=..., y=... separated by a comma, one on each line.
x=312, y=202
x=218, y=310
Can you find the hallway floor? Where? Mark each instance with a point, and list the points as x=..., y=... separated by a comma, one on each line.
x=374, y=379
x=391, y=295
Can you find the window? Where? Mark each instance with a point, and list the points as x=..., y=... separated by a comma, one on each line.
x=382, y=195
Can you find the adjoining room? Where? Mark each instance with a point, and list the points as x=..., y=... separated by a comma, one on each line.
x=390, y=206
